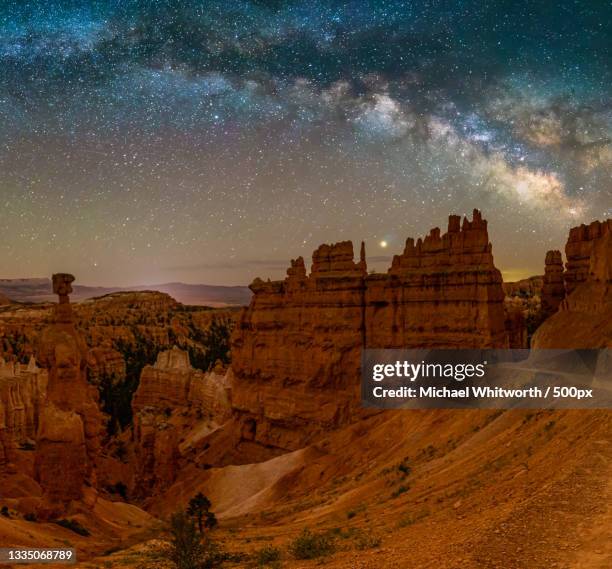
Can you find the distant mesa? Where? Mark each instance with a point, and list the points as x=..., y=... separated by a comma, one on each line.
x=41, y=290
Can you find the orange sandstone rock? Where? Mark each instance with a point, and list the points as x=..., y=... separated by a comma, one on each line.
x=68, y=437
x=171, y=398
x=296, y=350
x=553, y=290
x=22, y=393
x=584, y=317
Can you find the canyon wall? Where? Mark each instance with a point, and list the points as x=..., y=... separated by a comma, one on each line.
x=172, y=400
x=22, y=394
x=296, y=350
x=584, y=316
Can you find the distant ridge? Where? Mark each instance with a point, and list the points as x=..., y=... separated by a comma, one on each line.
x=39, y=290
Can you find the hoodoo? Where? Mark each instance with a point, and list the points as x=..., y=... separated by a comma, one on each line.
x=553, y=290
x=70, y=421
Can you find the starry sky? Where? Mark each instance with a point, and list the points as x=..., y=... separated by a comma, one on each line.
x=195, y=141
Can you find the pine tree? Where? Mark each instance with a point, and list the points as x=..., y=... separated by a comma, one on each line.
x=199, y=509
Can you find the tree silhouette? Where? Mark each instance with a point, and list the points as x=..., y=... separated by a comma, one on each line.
x=199, y=509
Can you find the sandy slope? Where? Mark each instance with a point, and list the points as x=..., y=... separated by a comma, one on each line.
x=476, y=489
x=504, y=490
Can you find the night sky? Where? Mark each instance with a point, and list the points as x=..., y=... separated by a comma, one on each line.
x=156, y=141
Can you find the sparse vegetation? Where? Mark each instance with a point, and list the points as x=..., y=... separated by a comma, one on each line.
x=400, y=490
x=187, y=548
x=116, y=395
x=73, y=525
x=404, y=467
x=268, y=556
x=215, y=344
x=309, y=545
x=352, y=513
x=367, y=540
x=412, y=518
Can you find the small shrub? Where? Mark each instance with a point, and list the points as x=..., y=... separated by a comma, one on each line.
x=268, y=555
x=410, y=519
x=352, y=513
x=367, y=540
x=401, y=490
x=73, y=525
x=310, y=545
x=185, y=547
x=5, y=512
x=404, y=467
x=30, y=517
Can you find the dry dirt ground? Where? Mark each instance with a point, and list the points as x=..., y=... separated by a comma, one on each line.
x=443, y=489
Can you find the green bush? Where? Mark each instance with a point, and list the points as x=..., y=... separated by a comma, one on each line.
x=309, y=545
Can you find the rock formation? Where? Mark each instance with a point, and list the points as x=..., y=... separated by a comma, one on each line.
x=588, y=254
x=171, y=398
x=296, y=350
x=553, y=290
x=441, y=292
x=173, y=384
x=70, y=423
x=22, y=393
x=525, y=288
x=584, y=317
x=104, y=363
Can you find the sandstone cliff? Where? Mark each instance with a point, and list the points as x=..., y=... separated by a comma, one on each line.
x=22, y=393
x=584, y=317
x=441, y=292
x=296, y=350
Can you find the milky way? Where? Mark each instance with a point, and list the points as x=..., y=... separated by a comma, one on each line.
x=212, y=141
